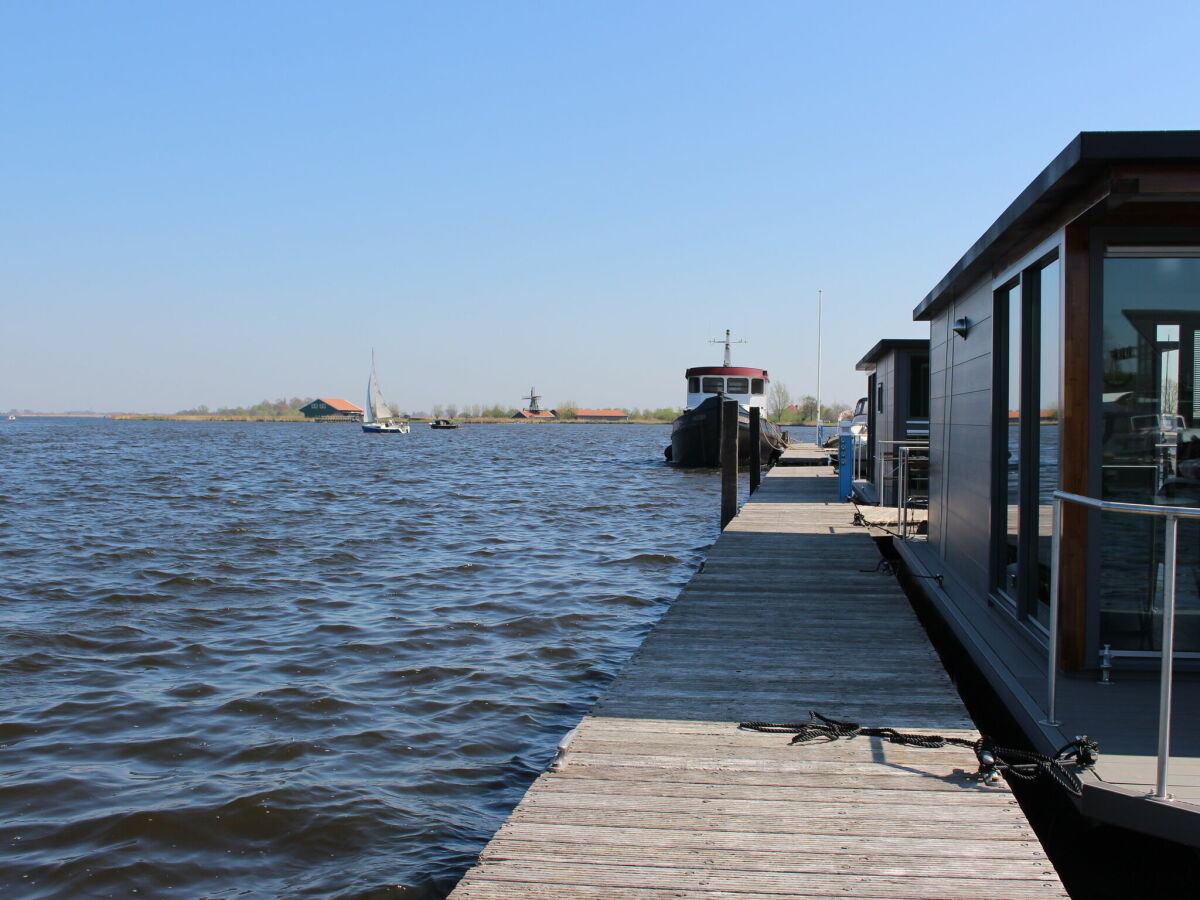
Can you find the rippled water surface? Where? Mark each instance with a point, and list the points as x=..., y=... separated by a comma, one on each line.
x=288, y=659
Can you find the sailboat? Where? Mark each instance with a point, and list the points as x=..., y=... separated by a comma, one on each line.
x=379, y=418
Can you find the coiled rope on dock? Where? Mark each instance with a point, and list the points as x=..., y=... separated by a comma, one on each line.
x=994, y=761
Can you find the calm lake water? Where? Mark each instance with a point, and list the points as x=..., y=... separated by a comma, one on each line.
x=297, y=660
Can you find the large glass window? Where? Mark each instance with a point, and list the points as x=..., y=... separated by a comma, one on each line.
x=1150, y=442
x=1029, y=345
x=737, y=385
x=1049, y=380
x=758, y=386
x=1008, y=311
x=713, y=384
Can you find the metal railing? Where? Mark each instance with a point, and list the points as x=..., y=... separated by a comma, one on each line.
x=858, y=456
x=1171, y=515
x=905, y=495
x=888, y=454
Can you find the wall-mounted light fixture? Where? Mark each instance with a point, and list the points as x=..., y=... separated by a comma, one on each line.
x=961, y=327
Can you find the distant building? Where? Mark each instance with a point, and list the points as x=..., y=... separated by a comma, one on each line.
x=333, y=409
x=602, y=415
x=534, y=414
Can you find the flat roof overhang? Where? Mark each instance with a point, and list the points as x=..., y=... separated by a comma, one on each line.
x=1079, y=165
x=889, y=345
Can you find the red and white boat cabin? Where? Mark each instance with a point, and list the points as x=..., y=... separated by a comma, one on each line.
x=746, y=385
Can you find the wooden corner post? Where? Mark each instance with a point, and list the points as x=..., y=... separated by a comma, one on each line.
x=729, y=442
x=755, y=449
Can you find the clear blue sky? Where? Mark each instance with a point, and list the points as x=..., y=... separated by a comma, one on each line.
x=220, y=202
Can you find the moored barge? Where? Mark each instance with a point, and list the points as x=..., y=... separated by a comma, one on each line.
x=696, y=434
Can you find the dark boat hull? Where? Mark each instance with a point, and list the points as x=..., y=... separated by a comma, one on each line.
x=696, y=438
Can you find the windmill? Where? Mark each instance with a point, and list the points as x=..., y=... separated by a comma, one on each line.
x=533, y=398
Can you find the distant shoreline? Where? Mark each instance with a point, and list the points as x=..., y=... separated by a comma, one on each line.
x=151, y=417
x=164, y=417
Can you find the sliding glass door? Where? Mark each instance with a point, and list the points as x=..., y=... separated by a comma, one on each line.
x=1150, y=440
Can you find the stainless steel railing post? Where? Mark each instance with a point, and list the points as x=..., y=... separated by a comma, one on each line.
x=1171, y=515
x=1052, y=656
x=1167, y=652
x=902, y=492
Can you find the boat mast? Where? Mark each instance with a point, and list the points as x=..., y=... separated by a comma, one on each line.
x=726, y=342
x=820, y=429
x=371, y=382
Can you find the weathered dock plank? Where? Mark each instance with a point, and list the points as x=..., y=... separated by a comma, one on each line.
x=802, y=454
x=659, y=794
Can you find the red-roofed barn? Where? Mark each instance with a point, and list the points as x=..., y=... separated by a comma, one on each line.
x=334, y=409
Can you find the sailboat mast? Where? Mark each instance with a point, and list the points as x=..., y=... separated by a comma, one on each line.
x=370, y=405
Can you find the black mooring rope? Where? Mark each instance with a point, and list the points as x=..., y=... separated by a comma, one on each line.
x=993, y=761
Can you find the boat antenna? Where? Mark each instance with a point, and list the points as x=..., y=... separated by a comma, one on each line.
x=726, y=342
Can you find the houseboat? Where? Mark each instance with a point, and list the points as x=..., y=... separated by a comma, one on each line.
x=1063, y=548
x=893, y=417
x=696, y=434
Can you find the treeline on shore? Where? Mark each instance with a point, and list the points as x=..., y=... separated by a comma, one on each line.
x=267, y=409
x=289, y=409
x=779, y=408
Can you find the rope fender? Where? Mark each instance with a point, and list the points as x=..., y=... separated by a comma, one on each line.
x=994, y=761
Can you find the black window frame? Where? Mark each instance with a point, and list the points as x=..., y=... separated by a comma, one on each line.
x=1023, y=603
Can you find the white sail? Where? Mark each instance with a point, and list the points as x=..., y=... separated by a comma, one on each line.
x=379, y=419
x=377, y=408
x=369, y=406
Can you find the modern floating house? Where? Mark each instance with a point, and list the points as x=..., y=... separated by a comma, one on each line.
x=1064, y=355
x=897, y=414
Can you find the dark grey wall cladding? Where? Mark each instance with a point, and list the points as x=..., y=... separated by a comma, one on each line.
x=885, y=425
x=961, y=436
x=937, y=412
x=960, y=556
x=939, y=368
x=973, y=374
x=974, y=408
x=966, y=467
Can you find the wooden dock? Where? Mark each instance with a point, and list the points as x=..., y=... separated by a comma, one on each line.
x=803, y=455
x=659, y=794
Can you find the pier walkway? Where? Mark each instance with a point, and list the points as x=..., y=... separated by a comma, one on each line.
x=659, y=795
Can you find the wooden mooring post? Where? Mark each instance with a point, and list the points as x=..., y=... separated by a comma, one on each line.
x=755, y=449
x=729, y=437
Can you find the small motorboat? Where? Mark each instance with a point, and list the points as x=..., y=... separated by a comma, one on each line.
x=443, y=424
